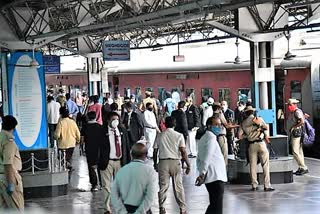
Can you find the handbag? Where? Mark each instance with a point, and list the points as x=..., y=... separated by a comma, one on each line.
x=297, y=132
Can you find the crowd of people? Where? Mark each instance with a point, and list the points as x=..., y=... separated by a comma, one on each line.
x=119, y=135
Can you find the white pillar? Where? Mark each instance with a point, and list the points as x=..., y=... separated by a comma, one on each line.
x=263, y=86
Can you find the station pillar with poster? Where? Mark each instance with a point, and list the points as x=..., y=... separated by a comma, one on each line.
x=264, y=100
x=24, y=92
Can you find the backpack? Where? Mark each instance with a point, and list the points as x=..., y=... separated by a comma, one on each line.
x=308, y=133
x=308, y=136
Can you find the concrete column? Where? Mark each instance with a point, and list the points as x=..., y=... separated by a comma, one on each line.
x=93, y=67
x=263, y=86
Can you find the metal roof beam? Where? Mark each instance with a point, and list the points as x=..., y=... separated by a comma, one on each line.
x=174, y=12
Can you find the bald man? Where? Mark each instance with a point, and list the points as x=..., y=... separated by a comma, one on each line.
x=134, y=187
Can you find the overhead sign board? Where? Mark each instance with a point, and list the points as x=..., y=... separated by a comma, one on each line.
x=51, y=64
x=116, y=50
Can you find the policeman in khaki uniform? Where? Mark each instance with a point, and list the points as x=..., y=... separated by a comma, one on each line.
x=11, y=189
x=148, y=99
x=254, y=129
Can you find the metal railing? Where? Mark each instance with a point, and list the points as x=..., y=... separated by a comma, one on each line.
x=56, y=162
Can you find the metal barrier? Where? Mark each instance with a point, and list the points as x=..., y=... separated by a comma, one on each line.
x=56, y=162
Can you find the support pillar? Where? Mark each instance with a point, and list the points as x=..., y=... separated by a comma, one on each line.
x=94, y=68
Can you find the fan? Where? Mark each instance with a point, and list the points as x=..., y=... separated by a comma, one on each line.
x=237, y=60
x=289, y=55
x=33, y=64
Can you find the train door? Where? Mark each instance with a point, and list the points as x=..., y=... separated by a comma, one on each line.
x=280, y=101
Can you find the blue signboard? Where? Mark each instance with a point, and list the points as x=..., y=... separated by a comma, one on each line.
x=27, y=101
x=51, y=64
x=116, y=50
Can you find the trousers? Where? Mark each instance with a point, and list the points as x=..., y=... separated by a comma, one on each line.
x=167, y=169
x=52, y=129
x=297, y=151
x=191, y=143
x=107, y=176
x=216, y=191
x=222, y=140
x=16, y=200
x=255, y=150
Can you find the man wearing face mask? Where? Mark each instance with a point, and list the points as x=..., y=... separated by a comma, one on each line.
x=229, y=115
x=207, y=111
x=194, y=123
x=133, y=123
x=134, y=186
x=181, y=118
x=150, y=127
x=210, y=164
x=254, y=130
x=295, y=124
x=114, y=153
x=239, y=112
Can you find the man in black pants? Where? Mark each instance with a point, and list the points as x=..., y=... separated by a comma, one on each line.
x=92, y=134
x=211, y=165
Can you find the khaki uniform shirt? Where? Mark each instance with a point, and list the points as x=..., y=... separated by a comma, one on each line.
x=249, y=129
x=143, y=105
x=9, y=152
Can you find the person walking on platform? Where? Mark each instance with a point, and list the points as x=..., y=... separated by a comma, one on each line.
x=53, y=115
x=171, y=147
x=254, y=130
x=61, y=98
x=67, y=135
x=150, y=127
x=207, y=111
x=133, y=123
x=295, y=125
x=211, y=165
x=72, y=107
x=145, y=101
x=92, y=134
x=134, y=187
x=114, y=153
x=97, y=108
x=229, y=115
x=11, y=188
x=181, y=119
x=194, y=123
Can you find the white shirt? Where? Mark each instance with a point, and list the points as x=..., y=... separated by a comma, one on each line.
x=112, y=143
x=129, y=118
x=207, y=112
x=135, y=184
x=175, y=96
x=53, y=113
x=150, y=119
x=168, y=143
x=110, y=101
x=210, y=159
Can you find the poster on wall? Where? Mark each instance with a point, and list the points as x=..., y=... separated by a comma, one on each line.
x=27, y=101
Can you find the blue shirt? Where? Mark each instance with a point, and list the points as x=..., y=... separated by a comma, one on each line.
x=72, y=107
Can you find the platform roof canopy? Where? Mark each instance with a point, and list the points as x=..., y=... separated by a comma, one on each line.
x=79, y=26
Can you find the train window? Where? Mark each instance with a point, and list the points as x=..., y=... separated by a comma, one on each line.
x=224, y=94
x=244, y=94
x=190, y=92
x=126, y=92
x=161, y=94
x=138, y=94
x=206, y=92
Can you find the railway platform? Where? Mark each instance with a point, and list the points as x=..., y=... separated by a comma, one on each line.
x=301, y=196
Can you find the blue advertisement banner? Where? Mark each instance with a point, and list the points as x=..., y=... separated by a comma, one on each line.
x=27, y=100
x=51, y=64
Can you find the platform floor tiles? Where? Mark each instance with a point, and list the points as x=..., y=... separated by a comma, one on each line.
x=302, y=196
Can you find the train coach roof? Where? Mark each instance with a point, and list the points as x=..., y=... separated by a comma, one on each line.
x=174, y=68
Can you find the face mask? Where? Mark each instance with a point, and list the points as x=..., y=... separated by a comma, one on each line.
x=216, y=130
x=240, y=108
x=132, y=100
x=114, y=123
x=291, y=108
x=150, y=109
